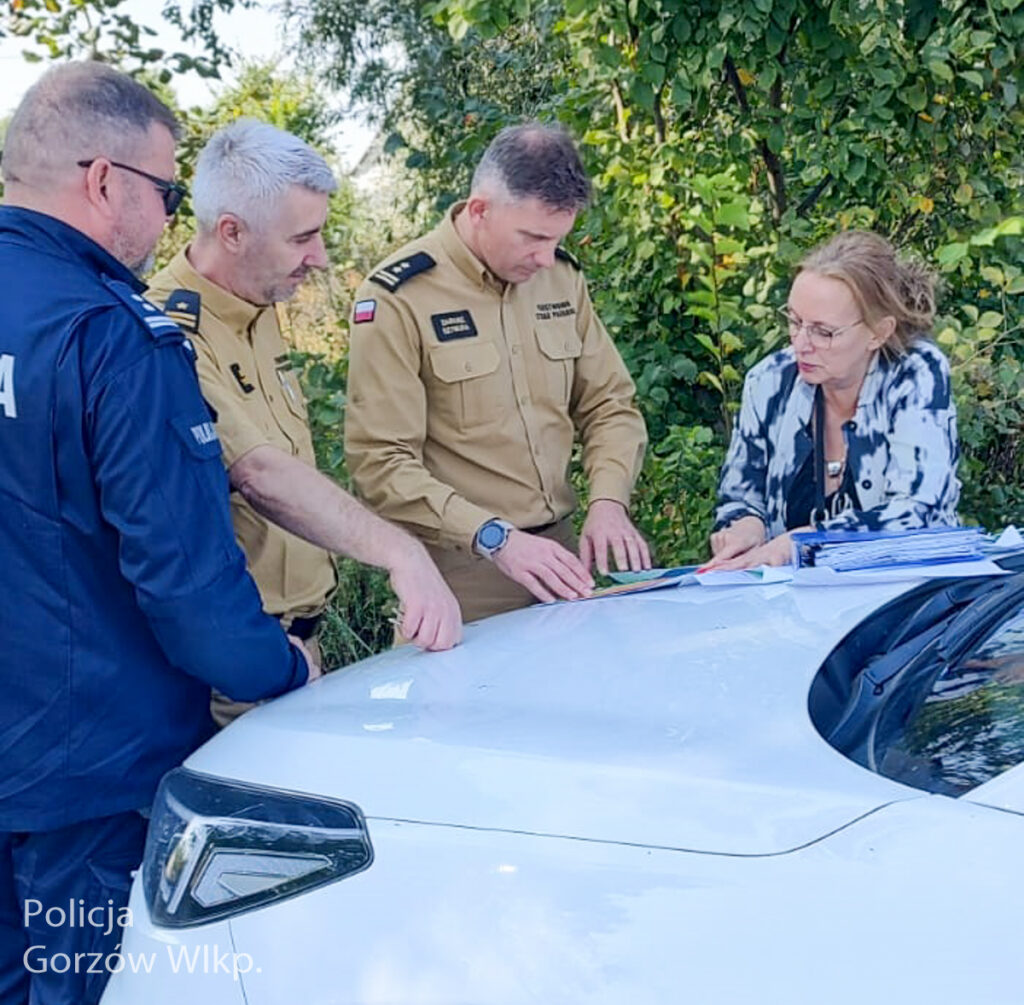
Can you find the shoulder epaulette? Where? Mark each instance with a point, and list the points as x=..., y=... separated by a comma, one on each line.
x=183, y=306
x=393, y=275
x=565, y=256
x=149, y=314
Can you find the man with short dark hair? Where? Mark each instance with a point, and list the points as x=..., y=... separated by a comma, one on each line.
x=126, y=596
x=476, y=358
x=260, y=196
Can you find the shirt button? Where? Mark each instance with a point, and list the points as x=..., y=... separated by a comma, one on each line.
x=523, y=399
x=515, y=350
x=469, y=368
x=866, y=484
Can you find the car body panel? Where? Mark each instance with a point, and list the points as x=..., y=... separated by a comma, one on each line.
x=611, y=801
x=674, y=719
x=912, y=903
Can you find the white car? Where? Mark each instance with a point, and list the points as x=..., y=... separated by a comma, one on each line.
x=622, y=801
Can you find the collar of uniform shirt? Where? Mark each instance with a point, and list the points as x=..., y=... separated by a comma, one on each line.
x=239, y=315
x=462, y=258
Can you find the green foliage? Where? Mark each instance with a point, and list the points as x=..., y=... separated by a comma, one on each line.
x=100, y=29
x=726, y=138
x=675, y=495
x=983, y=339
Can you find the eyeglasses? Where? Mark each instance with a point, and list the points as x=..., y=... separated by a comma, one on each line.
x=820, y=336
x=170, y=191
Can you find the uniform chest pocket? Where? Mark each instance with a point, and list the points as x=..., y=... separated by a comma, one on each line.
x=291, y=391
x=467, y=387
x=560, y=347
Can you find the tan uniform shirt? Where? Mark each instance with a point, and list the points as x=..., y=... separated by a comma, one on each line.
x=466, y=394
x=247, y=378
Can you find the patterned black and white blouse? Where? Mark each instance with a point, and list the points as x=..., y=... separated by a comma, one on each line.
x=902, y=447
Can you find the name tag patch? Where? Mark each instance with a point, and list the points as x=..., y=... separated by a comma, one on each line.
x=453, y=325
x=562, y=309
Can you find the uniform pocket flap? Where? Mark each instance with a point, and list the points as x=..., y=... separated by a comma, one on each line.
x=559, y=341
x=452, y=363
x=198, y=434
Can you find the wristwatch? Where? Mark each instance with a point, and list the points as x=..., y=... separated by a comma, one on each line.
x=492, y=537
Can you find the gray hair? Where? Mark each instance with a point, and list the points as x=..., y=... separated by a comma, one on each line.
x=79, y=111
x=534, y=161
x=246, y=167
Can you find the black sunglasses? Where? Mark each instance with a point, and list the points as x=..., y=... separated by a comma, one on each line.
x=170, y=191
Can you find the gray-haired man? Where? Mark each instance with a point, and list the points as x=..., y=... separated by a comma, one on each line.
x=476, y=358
x=260, y=200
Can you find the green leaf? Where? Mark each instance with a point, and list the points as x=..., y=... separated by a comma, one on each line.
x=708, y=377
x=973, y=77
x=940, y=71
x=681, y=29
x=776, y=138
x=733, y=214
x=705, y=340
x=916, y=97
x=950, y=254
x=684, y=368
x=990, y=319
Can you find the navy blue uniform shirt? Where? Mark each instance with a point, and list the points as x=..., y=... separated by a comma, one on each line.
x=125, y=595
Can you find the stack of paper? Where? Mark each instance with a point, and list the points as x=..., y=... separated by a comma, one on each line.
x=845, y=550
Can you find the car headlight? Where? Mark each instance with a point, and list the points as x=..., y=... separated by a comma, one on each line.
x=217, y=848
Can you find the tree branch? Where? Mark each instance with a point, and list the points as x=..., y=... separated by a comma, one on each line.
x=807, y=204
x=776, y=178
x=659, y=116
x=621, y=122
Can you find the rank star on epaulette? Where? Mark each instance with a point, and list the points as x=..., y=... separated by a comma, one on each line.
x=392, y=276
x=183, y=306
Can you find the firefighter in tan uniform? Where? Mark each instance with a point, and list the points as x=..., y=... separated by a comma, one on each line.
x=260, y=198
x=476, y=359
x=246, y=377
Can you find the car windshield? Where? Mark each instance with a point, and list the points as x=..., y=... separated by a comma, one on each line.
x=929, y=690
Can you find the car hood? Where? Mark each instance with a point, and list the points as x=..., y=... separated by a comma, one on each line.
x=676, y=718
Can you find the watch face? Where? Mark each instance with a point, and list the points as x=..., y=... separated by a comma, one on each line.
x=491, y=535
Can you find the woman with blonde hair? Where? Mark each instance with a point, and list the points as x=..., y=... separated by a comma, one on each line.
x=852, y=426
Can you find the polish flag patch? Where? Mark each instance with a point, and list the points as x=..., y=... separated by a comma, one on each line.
x=364, y=311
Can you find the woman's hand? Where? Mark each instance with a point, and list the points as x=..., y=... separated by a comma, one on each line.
x=778, y=551
x=736, y=539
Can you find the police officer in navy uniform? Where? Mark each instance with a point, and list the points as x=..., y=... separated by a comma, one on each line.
x=126, y=595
